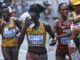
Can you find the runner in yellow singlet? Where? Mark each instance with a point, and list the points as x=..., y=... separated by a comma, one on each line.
x=36, y=36
x=9, y=35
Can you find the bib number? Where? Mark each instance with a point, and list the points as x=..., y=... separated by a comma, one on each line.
x=35, y=40
x=66, y=30
x=9, y=33
x=65, y=40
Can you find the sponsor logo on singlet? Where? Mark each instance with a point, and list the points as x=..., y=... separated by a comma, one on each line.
x=35, y=40
x=9, y=33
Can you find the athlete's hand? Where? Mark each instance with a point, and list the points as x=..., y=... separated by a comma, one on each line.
x=27, y=22
x=52, y=42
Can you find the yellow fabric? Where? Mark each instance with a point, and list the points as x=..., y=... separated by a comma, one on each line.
x=10, y=42
x=74, y=15
x=39, y=31
x=11, y=24
x=75, y=2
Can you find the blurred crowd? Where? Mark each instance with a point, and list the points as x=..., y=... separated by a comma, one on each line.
x=21, y=8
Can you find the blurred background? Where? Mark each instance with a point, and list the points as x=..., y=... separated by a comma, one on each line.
x=23, y=5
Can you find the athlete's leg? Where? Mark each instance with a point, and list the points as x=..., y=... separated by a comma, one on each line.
x=14, y=51
x=31, y=56
x=43, y=57
x=59, y=55
x=62, y=52
x=6, y=53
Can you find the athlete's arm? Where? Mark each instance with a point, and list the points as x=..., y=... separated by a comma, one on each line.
x=55, y=26
x=1, y=27
x=17, y=23
x=65, y=35
x=22, y=34
x=51, y=33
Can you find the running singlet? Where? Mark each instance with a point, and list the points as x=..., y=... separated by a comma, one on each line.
x=65, y=40
x=36, y=38
x=63, y=29
x=9, y=34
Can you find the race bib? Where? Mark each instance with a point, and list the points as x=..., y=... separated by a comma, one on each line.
x=65, y=40
x=9, y=33
x=35, y=40
x=66, y=30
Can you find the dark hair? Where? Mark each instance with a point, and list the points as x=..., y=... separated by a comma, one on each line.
x=5, y=6
x=45, y=3
x=70, y=7
x=37, y=8
x=59, y=7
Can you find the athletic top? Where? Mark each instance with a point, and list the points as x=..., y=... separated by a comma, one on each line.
x=36, y=37
x=62, y=29
x=9, y=38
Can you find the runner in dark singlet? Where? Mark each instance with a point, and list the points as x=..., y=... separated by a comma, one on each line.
x=62, y=29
